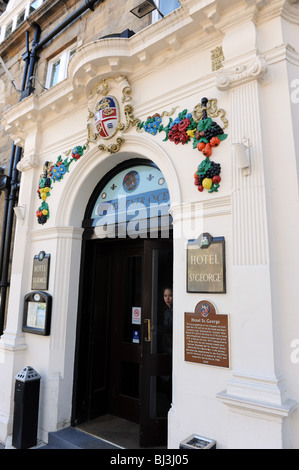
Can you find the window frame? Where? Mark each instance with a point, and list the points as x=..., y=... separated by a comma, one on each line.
x=6, y=34
x=63, y=58
x=21, y=13
x=155, y=13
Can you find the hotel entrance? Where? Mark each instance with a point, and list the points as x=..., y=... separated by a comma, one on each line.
x=123, y=363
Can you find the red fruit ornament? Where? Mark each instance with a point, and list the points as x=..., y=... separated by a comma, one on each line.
x=201, y=146
x=207, y=151
x=216, y=179
x=200, y=188
x=215, y=141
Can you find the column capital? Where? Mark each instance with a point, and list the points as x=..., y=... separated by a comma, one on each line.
x=254, y=69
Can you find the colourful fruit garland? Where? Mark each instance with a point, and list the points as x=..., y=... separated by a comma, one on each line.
x=51, y=174
x=205, y=135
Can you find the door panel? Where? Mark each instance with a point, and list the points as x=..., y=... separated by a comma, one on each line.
x=124, y=373
x=156, y=360
x=126, y=293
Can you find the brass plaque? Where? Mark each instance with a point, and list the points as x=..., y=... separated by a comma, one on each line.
x=40, y=272
x=206, y=265
x=206, y=336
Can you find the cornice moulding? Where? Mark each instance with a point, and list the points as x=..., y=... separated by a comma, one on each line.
x=254, y=408
x=280, y=53
x=208, y=208
x=53, y=233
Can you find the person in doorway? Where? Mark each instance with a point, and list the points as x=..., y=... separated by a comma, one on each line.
x=165, y=347
x=165, y=323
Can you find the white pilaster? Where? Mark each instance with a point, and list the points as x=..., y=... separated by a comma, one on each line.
x=255, y=394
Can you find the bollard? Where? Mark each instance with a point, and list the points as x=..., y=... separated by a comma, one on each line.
x=26, y=409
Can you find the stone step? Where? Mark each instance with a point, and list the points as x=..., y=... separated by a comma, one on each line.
x=72, y=438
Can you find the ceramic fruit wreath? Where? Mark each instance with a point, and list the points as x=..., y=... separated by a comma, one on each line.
x=208, y=135
x=51, y=174
x=44, y=187
x=205, y=134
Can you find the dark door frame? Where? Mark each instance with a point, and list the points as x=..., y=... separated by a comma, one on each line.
x=82, y=372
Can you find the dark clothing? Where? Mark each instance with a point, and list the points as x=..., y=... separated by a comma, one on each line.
x=165, y=331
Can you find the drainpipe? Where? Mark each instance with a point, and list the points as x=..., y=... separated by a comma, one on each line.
x=5, y=250
x=30, y=59
x=11, y=190
x=39, y=45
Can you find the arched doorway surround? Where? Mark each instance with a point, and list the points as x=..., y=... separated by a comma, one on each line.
x=85, y=177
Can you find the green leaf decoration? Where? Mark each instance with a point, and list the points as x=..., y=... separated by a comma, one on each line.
x=203, y=167
x=204, y=124
x=222, y=136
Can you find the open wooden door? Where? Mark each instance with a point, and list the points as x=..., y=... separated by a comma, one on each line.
x=156, y=346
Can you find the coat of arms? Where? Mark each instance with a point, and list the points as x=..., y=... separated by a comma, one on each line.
x=107, y=117
x=110, y=120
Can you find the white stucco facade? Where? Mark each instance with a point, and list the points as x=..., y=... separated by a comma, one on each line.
x=251, y=404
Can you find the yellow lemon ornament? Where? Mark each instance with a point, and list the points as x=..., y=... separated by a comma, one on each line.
x=207, y=183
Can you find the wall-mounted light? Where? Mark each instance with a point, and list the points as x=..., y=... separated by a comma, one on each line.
x=20, y=212
x=242, y=152
x=144, y=8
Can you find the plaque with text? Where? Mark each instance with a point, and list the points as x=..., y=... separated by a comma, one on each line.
x=206, y=265
x=207, y=336
x=40, y=271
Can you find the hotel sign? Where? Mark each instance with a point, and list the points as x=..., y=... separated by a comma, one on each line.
x=206, y=265
x=40, y=271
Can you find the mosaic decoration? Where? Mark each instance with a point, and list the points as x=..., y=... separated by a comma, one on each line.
x=199, y=129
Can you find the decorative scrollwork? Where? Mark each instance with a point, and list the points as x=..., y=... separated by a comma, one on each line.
x=212, y=111
x=112, y=148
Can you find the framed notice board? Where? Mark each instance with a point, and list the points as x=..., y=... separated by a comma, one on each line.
x=37, y=313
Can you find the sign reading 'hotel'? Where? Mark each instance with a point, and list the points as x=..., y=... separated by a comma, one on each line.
x=40, y=271
x=206, y=264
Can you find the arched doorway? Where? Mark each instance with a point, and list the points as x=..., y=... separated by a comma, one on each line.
x=122, y=365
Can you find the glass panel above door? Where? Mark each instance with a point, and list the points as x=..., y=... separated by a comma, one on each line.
x=139, y=192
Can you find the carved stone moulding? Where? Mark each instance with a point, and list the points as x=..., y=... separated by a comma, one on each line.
x=255, y=69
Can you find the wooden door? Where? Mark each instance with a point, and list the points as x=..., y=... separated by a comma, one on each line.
x=121, y=368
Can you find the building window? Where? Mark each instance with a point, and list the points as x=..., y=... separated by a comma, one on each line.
x=20, y=18
x=166, y=7
x=8, y=30
x=34, y=5
x=54, y=73
x=57, y=68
